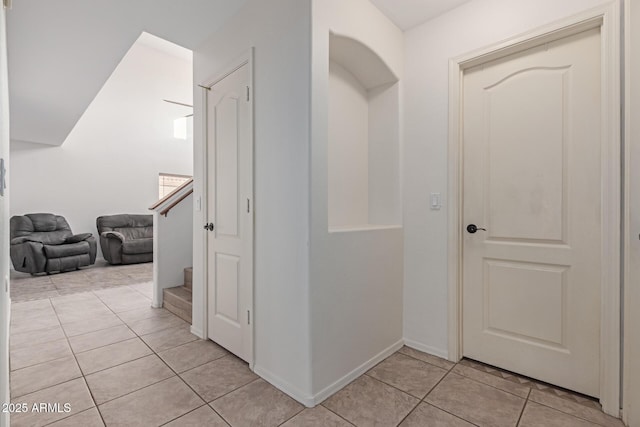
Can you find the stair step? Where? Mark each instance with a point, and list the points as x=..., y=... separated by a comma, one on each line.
x=178, y=300
x=188, y=277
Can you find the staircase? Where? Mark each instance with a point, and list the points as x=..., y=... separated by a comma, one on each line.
x=178, y=300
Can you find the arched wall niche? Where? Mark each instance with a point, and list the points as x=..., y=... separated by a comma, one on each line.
x=363, y=148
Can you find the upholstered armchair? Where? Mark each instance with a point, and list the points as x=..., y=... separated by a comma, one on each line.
x=44, y=243
x=126, y=239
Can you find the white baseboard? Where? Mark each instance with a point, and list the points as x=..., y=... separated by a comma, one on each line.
x=284, y=386
x=197, y=332
x=336, y=386
x=444, y=354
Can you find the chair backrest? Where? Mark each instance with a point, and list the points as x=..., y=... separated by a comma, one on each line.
x=131, y=226
x=47, y=228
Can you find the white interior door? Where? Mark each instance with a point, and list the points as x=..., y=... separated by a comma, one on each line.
x=230, y=210
x=532, y=178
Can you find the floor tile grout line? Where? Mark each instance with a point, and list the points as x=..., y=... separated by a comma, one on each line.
x=533, y=383
x=334, y=412
x=390, y=385
x=231, y=391
x=526, y=402
x=187, y=413
x=181, y=379
x=84, y=379
x=40, y=363
x=410, y=412
x=195, y=367
x=424, y=361
x=424, y=401
x=575, y=416
x=220, y=397
x=106, y=345
x=294, y=415
x=489, y=385
x=81, y=412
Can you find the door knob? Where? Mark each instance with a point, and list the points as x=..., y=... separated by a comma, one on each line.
x=209, y=226
x=472, y=228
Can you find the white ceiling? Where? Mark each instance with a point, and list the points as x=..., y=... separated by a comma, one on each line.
x=62, y=52
x=409, y=13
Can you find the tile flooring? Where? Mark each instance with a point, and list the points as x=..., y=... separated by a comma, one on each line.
x=118, y=362
x=101, y=275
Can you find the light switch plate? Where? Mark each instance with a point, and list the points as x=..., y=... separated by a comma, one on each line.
x=435, y=201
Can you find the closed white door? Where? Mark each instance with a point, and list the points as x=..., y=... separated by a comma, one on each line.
x=229, y=209
x=532, y=179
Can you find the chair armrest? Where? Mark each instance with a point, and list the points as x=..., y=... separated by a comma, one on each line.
x=77, y=238
x=113, y=234
x=22, y=239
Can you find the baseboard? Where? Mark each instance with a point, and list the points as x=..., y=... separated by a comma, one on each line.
x=336, y=386
x=427, y=349
x=285, y=387
x=197, y=332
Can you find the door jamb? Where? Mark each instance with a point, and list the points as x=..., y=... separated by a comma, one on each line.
x=607, y=17
x=245, y=58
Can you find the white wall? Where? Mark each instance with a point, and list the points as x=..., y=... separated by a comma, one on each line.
x=172, y=247
x=5, y=303
x=110, y=161
x=356, y=277
x=631, y=370
x=428, y=49
x=348, y=149
x=280, y=31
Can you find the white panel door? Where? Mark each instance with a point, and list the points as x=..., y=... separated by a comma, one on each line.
x=229, y=200
x=532, y=179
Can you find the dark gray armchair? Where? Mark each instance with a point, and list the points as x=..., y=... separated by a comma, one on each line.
x=126, y=239
x=44, y=243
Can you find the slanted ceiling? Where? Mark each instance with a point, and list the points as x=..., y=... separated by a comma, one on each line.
x=62, y=52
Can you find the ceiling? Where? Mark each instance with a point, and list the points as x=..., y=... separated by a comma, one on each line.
x=409, y=13
x=62, y=52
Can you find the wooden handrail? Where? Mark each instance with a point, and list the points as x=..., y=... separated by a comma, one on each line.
x=166, y=210
x=170, y=195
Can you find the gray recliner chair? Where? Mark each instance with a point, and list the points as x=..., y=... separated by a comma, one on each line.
x=44, y=243
x=126, y=239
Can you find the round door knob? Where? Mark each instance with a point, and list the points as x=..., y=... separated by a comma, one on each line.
x=472, y=228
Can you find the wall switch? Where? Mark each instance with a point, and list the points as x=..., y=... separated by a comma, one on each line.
x=435, y=201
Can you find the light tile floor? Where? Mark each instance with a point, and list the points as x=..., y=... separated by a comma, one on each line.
x=118, y=362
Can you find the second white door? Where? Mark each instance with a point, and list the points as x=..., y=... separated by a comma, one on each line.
x=532, y=179
x=230, y=213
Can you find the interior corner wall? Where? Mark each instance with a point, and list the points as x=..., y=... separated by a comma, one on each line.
x=631, y=370
x=428, y=49
x=5, y=302
x=109, y=163
x=279, y=32
x=355, y=276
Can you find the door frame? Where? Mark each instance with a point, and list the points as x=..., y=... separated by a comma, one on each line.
x=608, y=18
x=244, y=59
